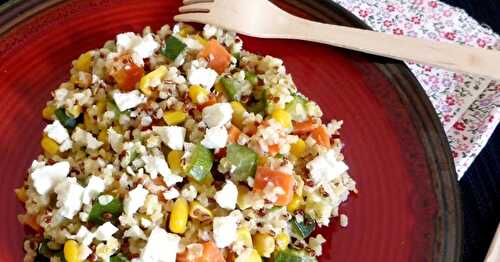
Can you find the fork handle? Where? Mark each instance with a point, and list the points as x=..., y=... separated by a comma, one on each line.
x=469, y=60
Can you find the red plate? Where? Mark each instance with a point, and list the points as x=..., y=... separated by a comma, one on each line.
x=408, y=207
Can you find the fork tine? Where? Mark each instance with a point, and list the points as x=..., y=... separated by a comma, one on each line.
x=199, y=7
x=202, y=18
x=188, y=2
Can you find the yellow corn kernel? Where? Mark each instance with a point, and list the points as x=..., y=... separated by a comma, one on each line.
x=282, y=117
x=243, y=200
x=75, y=110
x=238, y=114
x=83, y=62
x=179, y=216
x=174, y=160
x=146, y=80
x=174, y=117
x=186, y=30
x=219, y=87
x=282, y=240
x=49, y=146
x=48, y=112
x=298, y=149
x=199, y=212
x=103, y=136
x=295, y=203
x=264, y=244
x=249, y=255
x=21, y=194
x=71, y=251
x=198, y=94
x=101, y=107
x=201, y=40
x=243, y=235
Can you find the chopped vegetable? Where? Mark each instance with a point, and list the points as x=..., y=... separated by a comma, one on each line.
x=157, y=74
x=179, y=216
x=217, y=56
x=283, y=117
x=238, y=114
x=234, y=133
x=84, y=62
x=259, y=106
x=251, y=77
x=49, y=146
x=48, y=112
x=295, y=203
x=126, y=73
x=174, y=117
x=297, y=108
x=99, y=213
x=231, y=88
x=285, y=181
x=174, y=160
x=305, y=127
x=264, y=244
x=199, y=212
x=289, y=255
x=198, y=94
x=71, y=251
x=244, y=236
x=304, y=228
x=173, y=47
x=118, y=258
x=66, y=121
x=244, y=161
x=282, y=240
x=298, y=149
x=200, y=163
x=321, y=136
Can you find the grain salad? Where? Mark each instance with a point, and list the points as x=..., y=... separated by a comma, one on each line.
x=181, y=146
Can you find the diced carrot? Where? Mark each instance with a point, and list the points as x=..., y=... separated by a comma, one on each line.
x=212, y=99
x=234, y=133
x=301, y=128
x=217, y=56
x=265, y=175
x=30, y=221
x=273, y=149
x=210, y=254
x=321, y=136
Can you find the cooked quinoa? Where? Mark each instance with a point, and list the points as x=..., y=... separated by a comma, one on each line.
x=181, y=146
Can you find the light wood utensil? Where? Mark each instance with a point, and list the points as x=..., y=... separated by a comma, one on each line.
x=260, y=18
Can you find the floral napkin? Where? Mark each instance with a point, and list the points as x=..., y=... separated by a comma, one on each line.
x=468, y=106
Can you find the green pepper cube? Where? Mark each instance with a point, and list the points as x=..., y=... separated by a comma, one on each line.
x=289, y=255
x=251, y=77
x=231, y=88
x=66, y=121
x=118, y=258
x=98, y=211
x=200, y=163
x=297, y=108
x=303, y=229
x=243, y=160
x=173, y=47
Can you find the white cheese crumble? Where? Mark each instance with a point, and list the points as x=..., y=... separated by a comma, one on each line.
x=69, y=197
x=128, y=100
x=189, y=193
x=172, y=193
x=325, y=167
x=57, y=132
x=94, y=187
x=224, y=229
x=135, y=232
x=105, y=231
x=84, y=236
x=215, y=137
x=227, y=196
x=217, y=115
x=115, y=140
x=85, y=138
x=135, y=200
x=141, y=47
x=156, y=165
x=45, y=178
x=202, y=76
x=172, y=136
x=161, y=246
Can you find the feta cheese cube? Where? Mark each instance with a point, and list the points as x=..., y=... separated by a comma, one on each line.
x=57, y=132
x=217, y=115
x=146, y=47
x=227, y=196
x=140, y=47
x=325, y=167
x=45, y=178
x=215, y=137
x=172, y=136
x=93, y=189
x=202, y=76
x=105, y=231
x=85, y=138
x=172, y=179
x=224, y=229
x=115, y=140
x=84, y=236
x=125, y=101
x=161, y=246
x=83, y=252
x=135, y=200
x=155, y=165
x=135, y=232
x=172, y=193
x=69, y=197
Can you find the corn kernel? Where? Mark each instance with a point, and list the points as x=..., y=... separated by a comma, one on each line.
x=243, y=201
x=48, y=112
x=174, y=117
x=157, y=74
x=71, y=251
x=75, y=110
x=101, y=107
x=219, y=88
x=201, y=40
x=198, y=94
x=298, y=149
x=199, y=212
x=295, y=203
x=264, y=244
x=243, y=235
x=103, y=136
x=174, y=160
x=282, y=117
x=249, y=255
x=238, y=114
x=83, y=62
x=282, y=240
x=179, y=216
x=49, y=146
x=186, y=30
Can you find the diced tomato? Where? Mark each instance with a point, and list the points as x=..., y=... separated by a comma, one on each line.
x=126, y=73
x=301, y=128
x=210, y=254
x=217, y=56
x=321, y=136
x=265, y=175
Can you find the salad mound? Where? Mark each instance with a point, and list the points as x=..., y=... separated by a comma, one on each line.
x=181, y=146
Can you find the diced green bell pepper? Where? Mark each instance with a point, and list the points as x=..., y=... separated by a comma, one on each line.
x=243, y=160
x=231, y=88
x=118, y=258
x=297, y=108
x=66, y=121
x=303, y=229
x=289, y=255
x=115, y=208
x=200, y=163
x=258, y=107
x=251, y=77
x=173, y=47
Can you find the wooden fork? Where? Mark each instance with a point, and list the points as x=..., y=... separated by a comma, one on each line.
x=260, y=18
